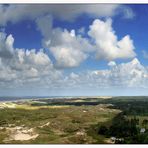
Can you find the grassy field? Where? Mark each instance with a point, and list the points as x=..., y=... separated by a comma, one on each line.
x=52, y=124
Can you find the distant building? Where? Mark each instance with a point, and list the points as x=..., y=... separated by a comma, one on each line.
x=142, y=130
x=113, y=139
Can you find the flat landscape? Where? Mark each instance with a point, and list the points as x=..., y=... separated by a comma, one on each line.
x=88, y=120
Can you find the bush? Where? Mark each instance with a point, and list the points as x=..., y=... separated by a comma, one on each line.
x=103, y=130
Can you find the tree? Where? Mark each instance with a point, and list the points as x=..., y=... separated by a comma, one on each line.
x=145, y=122
x=103, y=130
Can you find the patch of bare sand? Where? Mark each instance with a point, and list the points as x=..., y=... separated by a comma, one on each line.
x=7, y=105
x=58, y=106
x=46, y=124
x=28, y=107
x=20, y=133
x=81, y=133
x=105, y=97
x=108, y=141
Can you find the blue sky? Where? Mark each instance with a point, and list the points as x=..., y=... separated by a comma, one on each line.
x=77, y=49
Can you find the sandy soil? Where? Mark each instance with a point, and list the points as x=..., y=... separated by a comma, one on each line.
x=25, y=106
x=20, y=133
x=7, y=105
x=109, y=141
x=46, y=124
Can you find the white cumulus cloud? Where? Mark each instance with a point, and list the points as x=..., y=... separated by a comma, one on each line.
x=31, y=69
x=125, y=75
x=24, y=67
x=68, y=49
x=6, y=45
x=107, y=44
x=112, y=63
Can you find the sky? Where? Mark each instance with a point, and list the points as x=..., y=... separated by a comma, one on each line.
x=73, y=49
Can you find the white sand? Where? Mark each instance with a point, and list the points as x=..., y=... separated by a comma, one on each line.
x=21, y=133
x=46, y=124
x=20, y=136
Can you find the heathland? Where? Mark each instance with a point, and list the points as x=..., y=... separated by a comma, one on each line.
x=77, y=120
